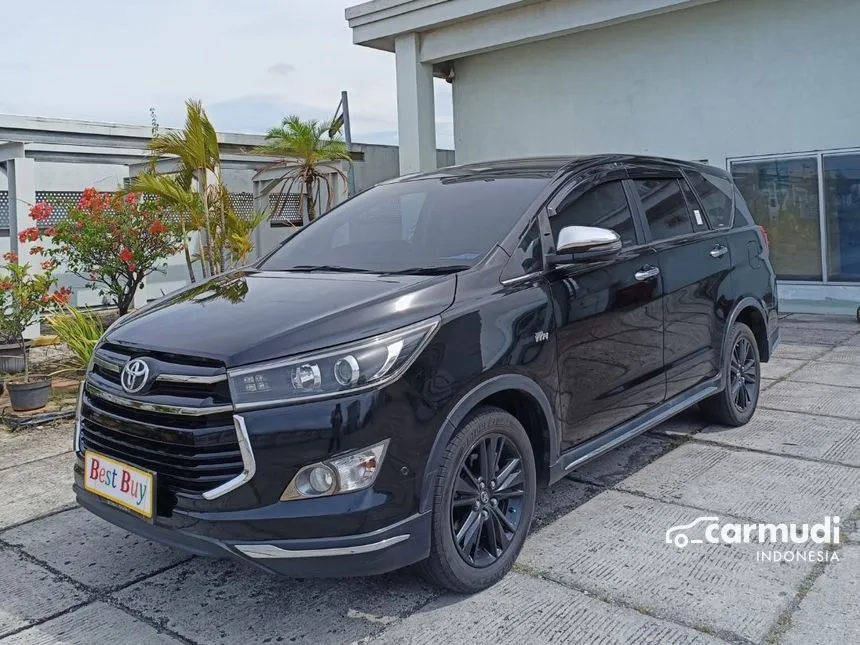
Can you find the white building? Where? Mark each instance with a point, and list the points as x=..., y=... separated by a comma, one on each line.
x=763, y=88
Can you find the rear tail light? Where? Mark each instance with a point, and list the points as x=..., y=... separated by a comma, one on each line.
x=764, y=235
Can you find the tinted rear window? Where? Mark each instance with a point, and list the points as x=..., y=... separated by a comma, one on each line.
x=716, y=194
x=425, y=223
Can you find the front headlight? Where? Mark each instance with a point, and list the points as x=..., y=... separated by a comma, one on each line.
x=345, y=369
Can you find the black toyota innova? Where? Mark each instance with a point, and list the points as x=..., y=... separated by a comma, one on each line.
x=393, y=384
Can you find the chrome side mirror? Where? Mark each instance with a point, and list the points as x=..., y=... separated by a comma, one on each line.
x=579, y=243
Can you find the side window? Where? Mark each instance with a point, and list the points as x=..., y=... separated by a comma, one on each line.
x=716, y=194
x=693, y=207
x=665, y=207
x=743, y=217
x=528, y=256
x=604, y=206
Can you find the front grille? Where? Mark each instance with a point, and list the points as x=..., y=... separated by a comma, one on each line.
x=192, y=449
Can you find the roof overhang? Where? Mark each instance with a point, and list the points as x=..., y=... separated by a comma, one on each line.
x=451, y=29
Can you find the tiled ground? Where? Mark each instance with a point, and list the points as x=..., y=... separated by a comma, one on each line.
x=597, y=567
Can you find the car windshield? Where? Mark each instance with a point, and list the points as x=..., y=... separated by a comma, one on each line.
x=428, y=225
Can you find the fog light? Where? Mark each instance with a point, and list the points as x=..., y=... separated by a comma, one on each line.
x=348, y=472
x=320, y=479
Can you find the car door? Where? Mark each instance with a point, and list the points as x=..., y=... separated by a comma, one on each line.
x=608, y=315
x=695, y=264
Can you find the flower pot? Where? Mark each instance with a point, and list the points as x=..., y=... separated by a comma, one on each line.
x=11, y=359
x=29, y=396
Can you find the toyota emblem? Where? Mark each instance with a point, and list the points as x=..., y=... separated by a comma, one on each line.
x=134, y=375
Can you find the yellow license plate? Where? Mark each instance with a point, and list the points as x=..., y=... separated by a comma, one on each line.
x=130, y=487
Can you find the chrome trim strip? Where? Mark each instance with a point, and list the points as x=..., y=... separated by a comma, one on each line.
x=155, y=407
x=106, y=364
x=534, y=275
x=80, y=404
x=266, y=551
x=182, y=378
x=247, y=459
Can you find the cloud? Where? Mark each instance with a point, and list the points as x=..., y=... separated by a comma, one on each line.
x=282, y=69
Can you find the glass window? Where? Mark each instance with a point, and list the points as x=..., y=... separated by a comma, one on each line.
x=665, y=207
x=604, y=206
x=693, y=207
x=782, y=195
x=715, y=193
x=432, y=223
x=842, y=209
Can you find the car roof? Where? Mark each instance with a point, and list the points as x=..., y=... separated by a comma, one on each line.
x=548, y=167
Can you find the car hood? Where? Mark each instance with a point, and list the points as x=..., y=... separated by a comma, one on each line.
x=250, y=316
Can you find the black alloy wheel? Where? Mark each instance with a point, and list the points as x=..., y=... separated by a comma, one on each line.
x=486, y=507
x=741, y=369
x=743, y=378
x=483, y=502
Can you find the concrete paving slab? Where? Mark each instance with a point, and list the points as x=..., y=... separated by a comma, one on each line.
x=802, y=352
x=813, y=398
x=524, y=610
x=31, y=593
x=21, y=447
x=828, y=614
x=559, y=499
x=849, y=354
x=853, y=341
x=227, y=602
x=810, y=336
x=689, y=422
x=35, y=489
x=91, y=551
x=614, y=547
x=766, y=383
x=751, y=485
x=791, y=433
x=622, y=462
x=822, y=323
x=91, y=625
x=779, y=367
x=828, y=374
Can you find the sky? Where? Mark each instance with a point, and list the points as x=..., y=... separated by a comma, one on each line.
x=251, y=62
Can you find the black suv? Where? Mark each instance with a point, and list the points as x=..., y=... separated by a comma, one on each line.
x=392, y=384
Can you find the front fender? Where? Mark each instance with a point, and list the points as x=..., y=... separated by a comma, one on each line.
x=464, y=405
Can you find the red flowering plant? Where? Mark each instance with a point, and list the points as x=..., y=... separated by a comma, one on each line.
x=115, y=242
x=26, y=294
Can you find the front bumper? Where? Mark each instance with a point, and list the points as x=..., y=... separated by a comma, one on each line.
x=380, y=551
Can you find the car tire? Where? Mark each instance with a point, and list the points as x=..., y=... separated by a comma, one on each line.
x=736, y=403
x=481, y=513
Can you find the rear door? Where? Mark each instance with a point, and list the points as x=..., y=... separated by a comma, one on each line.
x=695, y=263
x=609, y=319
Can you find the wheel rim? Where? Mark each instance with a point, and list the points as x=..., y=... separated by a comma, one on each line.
x=744, y=375
x=487, y=504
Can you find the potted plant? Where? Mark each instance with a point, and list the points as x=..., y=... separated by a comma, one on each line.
x=24, y=296
x=11, y=358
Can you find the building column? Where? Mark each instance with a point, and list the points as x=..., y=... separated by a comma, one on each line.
x=21, y=173
x=416, y=112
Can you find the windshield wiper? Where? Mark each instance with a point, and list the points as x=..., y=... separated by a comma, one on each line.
x=451, y=268
x=311, y=268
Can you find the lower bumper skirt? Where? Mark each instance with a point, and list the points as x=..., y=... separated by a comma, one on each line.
x=381, y=551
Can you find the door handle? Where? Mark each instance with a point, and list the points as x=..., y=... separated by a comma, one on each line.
x=719, y=251
x=647, y=272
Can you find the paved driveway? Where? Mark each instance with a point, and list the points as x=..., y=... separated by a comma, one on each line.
x=595, y=569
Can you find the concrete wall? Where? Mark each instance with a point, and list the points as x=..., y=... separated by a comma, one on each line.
x=726, y=79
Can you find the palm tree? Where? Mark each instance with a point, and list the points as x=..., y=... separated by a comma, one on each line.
x=311, y=150
x=195, y=148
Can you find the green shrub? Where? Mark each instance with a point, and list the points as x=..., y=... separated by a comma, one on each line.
x=79, y=330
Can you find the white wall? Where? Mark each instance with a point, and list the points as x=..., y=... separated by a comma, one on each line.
x=731, y=78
